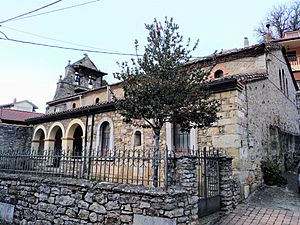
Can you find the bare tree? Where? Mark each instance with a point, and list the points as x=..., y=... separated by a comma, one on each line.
x=281, y=18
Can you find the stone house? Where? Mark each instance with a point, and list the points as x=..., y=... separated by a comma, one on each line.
x=258, y=115
x=291, y=42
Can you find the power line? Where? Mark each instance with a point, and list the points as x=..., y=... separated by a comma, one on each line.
x=35, y=10
x=88, y=50
x=56, y=10
x=4, y=35
x=54, y=39
x=69, y=48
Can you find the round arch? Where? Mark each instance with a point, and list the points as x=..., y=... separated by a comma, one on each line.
x=38, y=139
x=217, y=71
x=53, y=129
x=72, y=126
x=137, y=139
x=37, y=132
x=73, y=142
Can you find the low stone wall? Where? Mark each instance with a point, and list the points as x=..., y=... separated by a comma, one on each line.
x=69, y=201
x=38, y=200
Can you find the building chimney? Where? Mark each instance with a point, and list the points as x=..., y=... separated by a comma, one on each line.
x=246, y=42
x=268, y=35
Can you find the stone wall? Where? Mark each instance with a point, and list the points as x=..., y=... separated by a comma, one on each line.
x=229, y=186
x=69, y=201
x=38, y=200
x=15, y=138
x=270, y=129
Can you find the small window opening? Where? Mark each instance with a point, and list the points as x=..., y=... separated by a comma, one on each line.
x=287, y=87
x=97, y=100
x=283, y=81
x=280, y=79
x=219, y=74
x=137, y=138
x=74, y=105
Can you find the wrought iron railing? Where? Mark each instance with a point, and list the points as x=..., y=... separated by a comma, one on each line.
x=294, y=60
x=207, y=172
x=118, y=166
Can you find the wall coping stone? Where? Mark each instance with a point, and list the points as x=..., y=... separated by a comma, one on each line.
x=107, y=186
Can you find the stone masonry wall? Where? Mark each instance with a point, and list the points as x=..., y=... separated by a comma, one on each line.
x=15, y=138
x=271, y=128
x=70, y=201
x=39, y=200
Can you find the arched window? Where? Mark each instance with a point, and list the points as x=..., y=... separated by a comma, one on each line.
x=219, y=74
x=280, y=79
x=105, y=138
x=74, y=105
x=283, y=81
x=97, y=100
x=137, y=138
x=287, y=87
x=77, y=142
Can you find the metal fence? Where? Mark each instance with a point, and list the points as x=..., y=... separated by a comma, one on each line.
x=208, y=181
x=118, y=166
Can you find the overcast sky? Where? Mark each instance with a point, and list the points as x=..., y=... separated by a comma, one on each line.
x=30, y=72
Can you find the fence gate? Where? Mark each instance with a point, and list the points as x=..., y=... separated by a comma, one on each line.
x=208, y=182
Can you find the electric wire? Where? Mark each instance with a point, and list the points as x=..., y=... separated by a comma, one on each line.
x=4, y=35
x=100, y=51
x=35, y=10
x=54, y=39
x=69, y=48
x=56, y=10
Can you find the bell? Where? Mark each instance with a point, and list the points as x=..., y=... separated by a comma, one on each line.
x=77, y=78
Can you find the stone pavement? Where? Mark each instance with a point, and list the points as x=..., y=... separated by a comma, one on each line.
x=246, y=214
x=268, y=205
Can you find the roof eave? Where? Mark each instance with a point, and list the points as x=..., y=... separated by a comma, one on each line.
x=106, y=107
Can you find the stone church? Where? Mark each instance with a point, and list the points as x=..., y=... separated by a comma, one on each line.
x=258, y=116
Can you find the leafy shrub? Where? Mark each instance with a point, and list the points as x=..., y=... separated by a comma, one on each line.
x=272, y=173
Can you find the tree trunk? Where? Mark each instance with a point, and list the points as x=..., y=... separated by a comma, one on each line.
x=155, y=156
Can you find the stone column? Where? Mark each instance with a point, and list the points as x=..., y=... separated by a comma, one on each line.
x=185, y=171
x=227, y=185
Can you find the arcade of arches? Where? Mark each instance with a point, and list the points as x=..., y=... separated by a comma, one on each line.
x=60, y=139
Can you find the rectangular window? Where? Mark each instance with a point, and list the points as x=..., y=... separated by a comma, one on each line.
x=181, y=138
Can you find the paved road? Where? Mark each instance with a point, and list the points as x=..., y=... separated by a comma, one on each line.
x=268, y=205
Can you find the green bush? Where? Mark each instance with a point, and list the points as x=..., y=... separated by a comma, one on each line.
x=272, y=173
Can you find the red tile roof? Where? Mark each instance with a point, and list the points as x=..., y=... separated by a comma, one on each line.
x=16, y=115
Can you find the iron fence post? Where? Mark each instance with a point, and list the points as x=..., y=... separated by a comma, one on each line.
x=205, y=172
x=166, y=168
